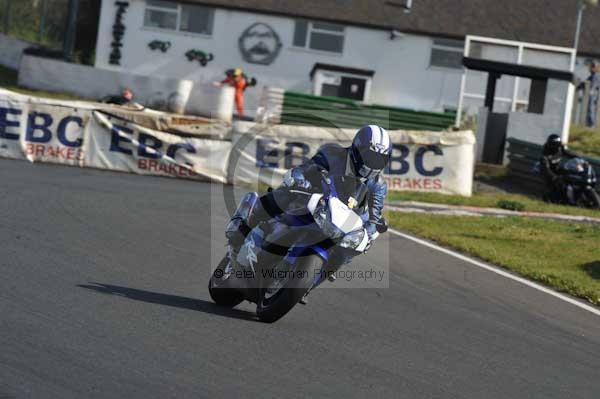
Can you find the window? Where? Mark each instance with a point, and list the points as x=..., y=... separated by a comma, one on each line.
x=319, y=36
x=179, y=17
x=447, y=53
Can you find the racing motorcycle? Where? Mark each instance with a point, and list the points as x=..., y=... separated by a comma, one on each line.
x=280, y=261
x=577, y=184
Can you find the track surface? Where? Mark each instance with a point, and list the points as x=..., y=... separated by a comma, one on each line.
x=103, y=294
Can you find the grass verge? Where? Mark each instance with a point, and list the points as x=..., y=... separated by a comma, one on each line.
x=585, y=141
x=492, y=200
x=564, y=256
x=9, y=81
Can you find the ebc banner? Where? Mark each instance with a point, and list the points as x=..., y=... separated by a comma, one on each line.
x=440, y=162
x=115, y=144
x=42, y=133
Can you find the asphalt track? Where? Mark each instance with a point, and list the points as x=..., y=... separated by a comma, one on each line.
x=103, y=294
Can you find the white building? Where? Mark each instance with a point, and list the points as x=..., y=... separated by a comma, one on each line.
x=372, y=51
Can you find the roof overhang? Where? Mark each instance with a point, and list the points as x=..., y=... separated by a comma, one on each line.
x=340, y=69
x=524, y=71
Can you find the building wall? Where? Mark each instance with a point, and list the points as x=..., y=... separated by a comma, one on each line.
x=159, y=93
x=402, y=74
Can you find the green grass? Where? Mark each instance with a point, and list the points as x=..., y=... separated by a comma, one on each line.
x=491, y=200
x=564, y=256
x=585, y=141
x=9, y=79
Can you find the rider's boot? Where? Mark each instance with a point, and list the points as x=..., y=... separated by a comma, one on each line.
x=304, y=300
x=238, y=227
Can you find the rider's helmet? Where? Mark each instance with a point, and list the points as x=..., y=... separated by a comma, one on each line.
x=553, y=145
x=371, y=151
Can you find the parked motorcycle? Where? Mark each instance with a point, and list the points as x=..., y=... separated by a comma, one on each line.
x=577, y=184
x=282, y=260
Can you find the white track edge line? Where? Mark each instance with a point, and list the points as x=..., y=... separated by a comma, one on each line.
x=495, y=269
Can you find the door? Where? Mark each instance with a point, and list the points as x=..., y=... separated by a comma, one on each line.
x=495, y=138
x=353, y=88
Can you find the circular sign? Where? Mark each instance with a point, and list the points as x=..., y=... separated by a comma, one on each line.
x=260, y=44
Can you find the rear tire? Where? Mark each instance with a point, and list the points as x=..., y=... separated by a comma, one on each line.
x=293, y=290
x=227, y=297
x=594, y=199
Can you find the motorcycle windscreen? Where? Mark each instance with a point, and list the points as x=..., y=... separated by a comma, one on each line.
x=574, y=165
x=351, y=191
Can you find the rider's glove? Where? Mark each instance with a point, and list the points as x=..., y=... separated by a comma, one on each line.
x=295, y=178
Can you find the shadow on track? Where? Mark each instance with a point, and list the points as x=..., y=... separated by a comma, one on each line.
x=169, y=300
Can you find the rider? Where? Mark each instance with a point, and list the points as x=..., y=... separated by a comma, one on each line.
x=365, y=159
x=553, y=153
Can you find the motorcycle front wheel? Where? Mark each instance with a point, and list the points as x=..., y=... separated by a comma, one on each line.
x=282, y=295
x=217, y=289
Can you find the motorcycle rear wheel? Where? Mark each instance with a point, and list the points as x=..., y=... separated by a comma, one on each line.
x=272, y=308
x=593, y=199
x=222, y=296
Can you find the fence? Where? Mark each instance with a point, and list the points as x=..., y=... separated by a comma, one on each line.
x=305, y=109
x=293, y=108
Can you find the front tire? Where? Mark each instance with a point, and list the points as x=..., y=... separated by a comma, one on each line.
x=271, y=309
x=222, y=296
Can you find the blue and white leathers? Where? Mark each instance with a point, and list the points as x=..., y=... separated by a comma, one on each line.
x=337, y=161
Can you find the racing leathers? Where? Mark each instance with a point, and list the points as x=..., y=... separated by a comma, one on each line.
x=332, y=158
x=335, y=159
x=550, y=163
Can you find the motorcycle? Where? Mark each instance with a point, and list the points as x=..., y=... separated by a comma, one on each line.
x=577, y=184
x=280, y=261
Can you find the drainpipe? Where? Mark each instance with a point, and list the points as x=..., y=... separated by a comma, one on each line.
x=582, y=4
x=69, y=43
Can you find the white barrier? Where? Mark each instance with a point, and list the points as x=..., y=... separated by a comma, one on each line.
x=440, y=162
x=127, y=147
x=11, y=50
x=173, y=95
x=87, y=138
x=255, y=154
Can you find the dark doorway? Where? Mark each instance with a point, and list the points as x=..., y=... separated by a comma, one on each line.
x=495, y=138
x=353, y=88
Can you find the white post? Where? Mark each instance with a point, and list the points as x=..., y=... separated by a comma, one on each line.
x=578, y=29
x=568, y=112
x=515, y=97
x=462, y=86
